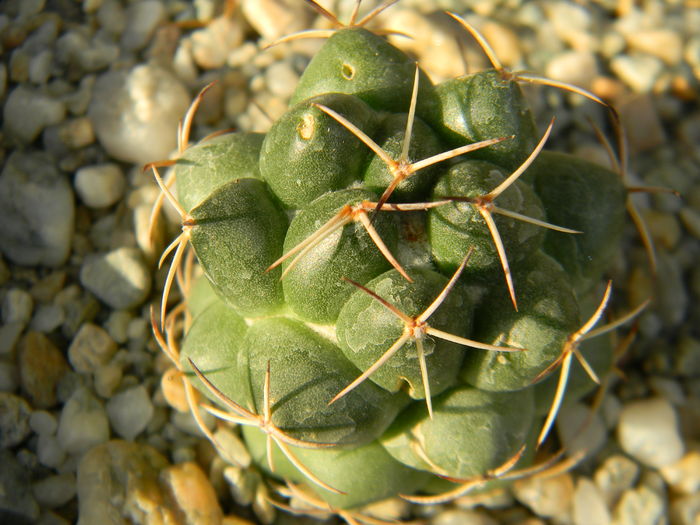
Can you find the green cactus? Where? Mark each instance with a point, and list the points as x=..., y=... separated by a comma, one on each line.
x=385, y=300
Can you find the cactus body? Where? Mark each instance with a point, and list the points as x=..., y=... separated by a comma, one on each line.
x=373, y=343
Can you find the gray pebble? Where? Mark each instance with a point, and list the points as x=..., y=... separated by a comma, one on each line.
x=135, y=113
x=14, y=420
x=38, y=210
x=28, y=111
x=55, y=491
x=119, y=278
x=9, y=377
x=100, y=185
x=9, y=335
x=49, y=451
x=575, y=67
x=91, y=348
x=43, y=422
x=117, y=325
x=142, y=18
x=47, y=318
x=580, y=430
x=17, y=503
x=17, y=306
x=40, y=67
x=648, y=431
x=130, y=411
x=83, y=423
x=617, y=474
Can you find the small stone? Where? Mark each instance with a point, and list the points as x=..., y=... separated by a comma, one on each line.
x=17, y=504
x=575, y=67
x=47, y=318
x=589, y=506
x=193, y=493
x=40, y=67
x=100, y=185
x=687, y=357
x=49, y=451
x=9, y=335
x=580, y=430
x=28, y=111
x=14, y=420
x=665, y=44
x=43, y=423
x=117, y=482
x=107, y=379
x=641, y=506
x=273, y=19
x=130, y=411
x=91, y=348
x=142, y=18
x=83, y=423
x=639, y=72
x=46, y=288
x=648, y=431
x=212, y=45
x=76, y=133
x=134, y=113
x=684, y=474
x=117, y=325
x=41, y=367
x=231, y=448
x=111, y=16
x=281, y=79
x=55, y=491
x=17, y=306
x=664, y=228
x=546, y=497
x=38, y=211
x=691, y=220
x=642, y=123
x=119, y=278
x=463, y=517
x=617, y=474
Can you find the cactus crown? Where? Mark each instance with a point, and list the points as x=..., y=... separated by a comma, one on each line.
x=392, y=275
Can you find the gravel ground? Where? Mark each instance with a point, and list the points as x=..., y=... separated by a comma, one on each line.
x=93, y=89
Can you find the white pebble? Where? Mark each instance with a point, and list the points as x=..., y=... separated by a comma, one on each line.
x=91, y=347
x=589, y=506
x=40, y=67
x=580, y=430
x=135, y=113
x=575, y=67
x=142, y=18
x=83, y=423
x=100, y=185
x=637, y=71
x=130, y=411
x=648, y=431
x=212, y=45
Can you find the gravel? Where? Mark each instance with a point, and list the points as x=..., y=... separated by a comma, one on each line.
x=92, y=90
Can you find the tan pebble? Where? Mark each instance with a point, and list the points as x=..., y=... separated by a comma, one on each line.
x=640, y=285
x=664, y=228
x=607, y=88
x=193, y=494
x=504, y=41
x=41, y=366
x=174, y=390
x=642, y=123
x=235, y=520
x=691, y=221
x=91, y=347
x=684, y=474
x=546, y=497
x=665, y=44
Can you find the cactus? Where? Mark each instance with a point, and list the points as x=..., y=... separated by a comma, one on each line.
x=392, y=276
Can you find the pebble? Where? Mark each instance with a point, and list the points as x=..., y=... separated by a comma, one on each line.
x=9, y=335
x=581, y=430
x=28, y=111
x=212, y=45
x=43, y=423
x=664, y=228
x=117, y=325
x=130, y=411
x=47, y=318
x=687, y=357
x=589, y=506
x=9, y=377
x=142, y=18
x=83, y=423
x=14, y=420
x=193, y=494
x=91, y=348
x=112, y=16
x=76, y=133
x=100, y=185
x=38, y=211
x=17, y=503
x=49, y=451
x=686, y=510
x=117, y=482
x=665, y=44
x=273, y=20
x=135, y=112
x=575, y=67
x=684, y=475
x=107, y=379
x=640, y=506
x=17, y=306
x=119, y=278
x=617, y=474
x=55, y=491
x=638, y=71
x=41, y=367
x=546, y=496
x=648, y=431
x=231, y=448
x=463, y=517
x=281, y=79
